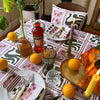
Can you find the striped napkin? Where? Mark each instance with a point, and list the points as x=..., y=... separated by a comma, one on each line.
x=14, y=83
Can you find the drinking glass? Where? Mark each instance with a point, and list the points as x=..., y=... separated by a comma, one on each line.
x=53, y=77
x=48, y=58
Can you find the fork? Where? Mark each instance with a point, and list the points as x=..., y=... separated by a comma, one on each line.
x=23, y=88
x=58, y=32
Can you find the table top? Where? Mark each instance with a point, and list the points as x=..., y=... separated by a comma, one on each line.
x=82, y=42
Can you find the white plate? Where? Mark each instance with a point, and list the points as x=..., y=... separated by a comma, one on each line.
x=56, y=38
x=37, y=79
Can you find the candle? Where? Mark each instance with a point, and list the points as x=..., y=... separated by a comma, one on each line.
x=72, y=29
x=74, y=21
x=92, y=84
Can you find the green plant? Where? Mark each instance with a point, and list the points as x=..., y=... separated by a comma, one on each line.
x=3, y=23
x=36, y=3
x=97, y=63
x=30, y=2
x=8, y=5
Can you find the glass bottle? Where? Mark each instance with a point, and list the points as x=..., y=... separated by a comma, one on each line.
x=38, y=37
x=24, y=47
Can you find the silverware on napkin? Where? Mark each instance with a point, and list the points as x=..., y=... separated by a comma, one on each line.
x=58, y=32
x=22, y=89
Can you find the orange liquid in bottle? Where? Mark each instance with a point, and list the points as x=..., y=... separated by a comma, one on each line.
x=38, y=37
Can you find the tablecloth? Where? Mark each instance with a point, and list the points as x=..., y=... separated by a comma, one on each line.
x=82, y=42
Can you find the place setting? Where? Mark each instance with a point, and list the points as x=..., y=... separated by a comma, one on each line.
x=22, y=85
x=57, y=32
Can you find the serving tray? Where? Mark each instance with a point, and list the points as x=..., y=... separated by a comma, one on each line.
x=78, y=78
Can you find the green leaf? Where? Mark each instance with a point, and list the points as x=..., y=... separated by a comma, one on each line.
x=97, y=47
x=56, y=98
x=8, y=5
x=3, y=23
x=97, y=63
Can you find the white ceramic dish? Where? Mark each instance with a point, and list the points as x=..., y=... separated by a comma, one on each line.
x=56, y=38
x=37, y=79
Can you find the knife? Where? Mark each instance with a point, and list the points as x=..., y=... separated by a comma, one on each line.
x=27, y=84
x=20, y=92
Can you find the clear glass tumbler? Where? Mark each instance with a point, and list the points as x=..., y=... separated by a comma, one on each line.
x=53, y=78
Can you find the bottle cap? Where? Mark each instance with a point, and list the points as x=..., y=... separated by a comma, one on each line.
x=37, y=24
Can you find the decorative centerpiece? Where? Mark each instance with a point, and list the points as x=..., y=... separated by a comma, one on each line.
x=91, y=64
x=91, y=60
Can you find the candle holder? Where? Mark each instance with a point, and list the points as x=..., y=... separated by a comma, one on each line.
x=68, y=54
x=86, y=98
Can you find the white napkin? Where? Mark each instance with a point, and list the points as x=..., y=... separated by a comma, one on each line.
x=27, y=76
x=5, y=95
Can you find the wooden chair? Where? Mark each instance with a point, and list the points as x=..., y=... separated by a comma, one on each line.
x=73, y=7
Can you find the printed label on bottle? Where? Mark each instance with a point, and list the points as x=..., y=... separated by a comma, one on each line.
x=37, y=40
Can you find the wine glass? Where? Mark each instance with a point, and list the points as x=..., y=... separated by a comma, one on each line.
x=48, y=58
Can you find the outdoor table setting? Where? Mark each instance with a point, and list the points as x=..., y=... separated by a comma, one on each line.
x=45, y=83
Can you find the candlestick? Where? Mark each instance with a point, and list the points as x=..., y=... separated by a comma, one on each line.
x=68, y=53
x=72, y=31
x=92, y=84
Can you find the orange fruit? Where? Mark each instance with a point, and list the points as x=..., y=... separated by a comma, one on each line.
x=12, y=36
x=74, y=64
x=68, y=90
x=35, y=58
x=3, y=64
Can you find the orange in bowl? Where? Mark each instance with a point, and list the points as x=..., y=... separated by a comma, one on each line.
x=3, y=64
x=74, y=64
x=68, y=90
x=35, y=58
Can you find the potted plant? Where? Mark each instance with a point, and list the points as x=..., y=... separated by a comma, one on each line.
x=31, y=9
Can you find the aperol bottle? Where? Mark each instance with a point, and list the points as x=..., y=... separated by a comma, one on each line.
x=38, y=37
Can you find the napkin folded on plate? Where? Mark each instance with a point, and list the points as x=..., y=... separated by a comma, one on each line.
x=32, y=91
x=52, y=30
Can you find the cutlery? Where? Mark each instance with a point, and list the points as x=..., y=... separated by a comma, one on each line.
x=27, y=84
x=58, y=32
